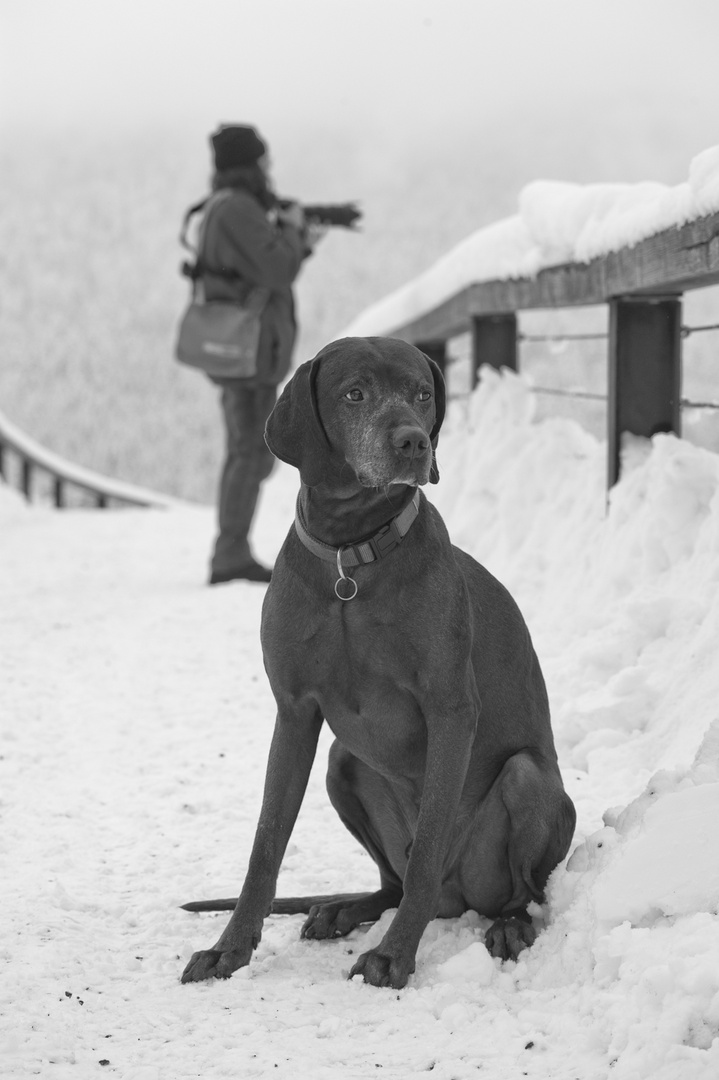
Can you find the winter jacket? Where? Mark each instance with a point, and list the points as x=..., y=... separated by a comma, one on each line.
x=239, y=237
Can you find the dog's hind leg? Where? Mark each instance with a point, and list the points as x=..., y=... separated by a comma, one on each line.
x=363, y=801
x=532, y=825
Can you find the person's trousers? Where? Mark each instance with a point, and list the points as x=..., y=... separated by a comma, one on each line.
x=248, y=462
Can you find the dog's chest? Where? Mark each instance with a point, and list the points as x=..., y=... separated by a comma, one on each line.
x=379, y=722
x=367, y=680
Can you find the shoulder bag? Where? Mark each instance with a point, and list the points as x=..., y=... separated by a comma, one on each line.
x=220, y=337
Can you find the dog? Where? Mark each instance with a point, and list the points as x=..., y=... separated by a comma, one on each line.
x=443, y=765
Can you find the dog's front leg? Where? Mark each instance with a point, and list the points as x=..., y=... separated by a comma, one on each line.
x=291, y=755
x=392, y=961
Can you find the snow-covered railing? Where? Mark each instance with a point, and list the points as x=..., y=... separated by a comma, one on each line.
x=643, y=287
x=33, y=457
x=635, y=247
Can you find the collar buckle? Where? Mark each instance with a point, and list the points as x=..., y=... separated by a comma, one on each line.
x=387, y=539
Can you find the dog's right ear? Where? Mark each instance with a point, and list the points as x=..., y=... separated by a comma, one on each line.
x=294, y=431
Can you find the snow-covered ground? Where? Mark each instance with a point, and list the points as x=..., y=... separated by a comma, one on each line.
x=135, y=725
x=556, y=222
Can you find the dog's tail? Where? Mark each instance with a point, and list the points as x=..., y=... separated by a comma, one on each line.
x=211, y=905
x=288, y=905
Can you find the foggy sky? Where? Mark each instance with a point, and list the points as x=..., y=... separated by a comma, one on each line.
x=418, y=66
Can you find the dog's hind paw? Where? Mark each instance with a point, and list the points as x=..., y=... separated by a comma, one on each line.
x=328, y=921
x=212, y=964
x=507, y=937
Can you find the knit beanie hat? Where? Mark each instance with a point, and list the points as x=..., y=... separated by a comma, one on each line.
x=236, y=144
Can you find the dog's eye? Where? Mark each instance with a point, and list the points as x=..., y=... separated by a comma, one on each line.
x=424, y=395
x=354, y=395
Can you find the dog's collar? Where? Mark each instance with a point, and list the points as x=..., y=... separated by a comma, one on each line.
x=364, y=551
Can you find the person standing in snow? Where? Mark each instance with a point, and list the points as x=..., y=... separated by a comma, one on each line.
x=260, y=245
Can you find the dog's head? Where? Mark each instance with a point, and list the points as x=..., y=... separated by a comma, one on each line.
x=375, y=404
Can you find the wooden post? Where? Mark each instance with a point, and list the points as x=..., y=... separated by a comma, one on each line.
x=26, y=482
x=494, y=341
x=644, y=371
x=435, y=350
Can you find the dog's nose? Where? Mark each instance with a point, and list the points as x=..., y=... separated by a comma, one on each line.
x=410, y=441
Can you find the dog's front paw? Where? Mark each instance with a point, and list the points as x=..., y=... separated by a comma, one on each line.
x=213, y=964
x=379, y=969
x=506, y=938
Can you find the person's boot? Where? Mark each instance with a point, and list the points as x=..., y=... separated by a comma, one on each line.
x=250, y=571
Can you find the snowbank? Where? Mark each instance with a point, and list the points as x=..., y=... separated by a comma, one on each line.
x=557, y=222
x=12, y=503
x=136, y=720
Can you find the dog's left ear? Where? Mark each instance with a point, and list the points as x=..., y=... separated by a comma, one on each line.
x=440, y=399
x=294, y=431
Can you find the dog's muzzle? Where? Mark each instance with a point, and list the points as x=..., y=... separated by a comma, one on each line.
x=401, y=456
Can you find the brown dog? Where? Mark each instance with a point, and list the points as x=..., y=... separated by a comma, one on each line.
x=444, y=765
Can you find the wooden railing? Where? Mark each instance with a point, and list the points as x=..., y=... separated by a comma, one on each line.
x=102, y=490
x=643, y=286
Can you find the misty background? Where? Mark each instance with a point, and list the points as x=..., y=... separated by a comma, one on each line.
x=433, y=115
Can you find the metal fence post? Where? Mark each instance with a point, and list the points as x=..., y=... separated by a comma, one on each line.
x=26, y=481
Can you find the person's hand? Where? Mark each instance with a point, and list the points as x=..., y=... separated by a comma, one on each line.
x=292, y=215
x=314, y=231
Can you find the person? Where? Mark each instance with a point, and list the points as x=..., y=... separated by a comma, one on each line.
x=251, y=241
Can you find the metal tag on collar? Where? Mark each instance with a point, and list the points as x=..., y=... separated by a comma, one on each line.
x=342, y=578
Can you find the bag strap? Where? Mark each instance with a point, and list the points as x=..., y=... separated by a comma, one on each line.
x=258, y=295
x=195, y=272
x=196, y=208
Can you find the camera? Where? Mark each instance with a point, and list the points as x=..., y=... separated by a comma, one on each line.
x=345, y=215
